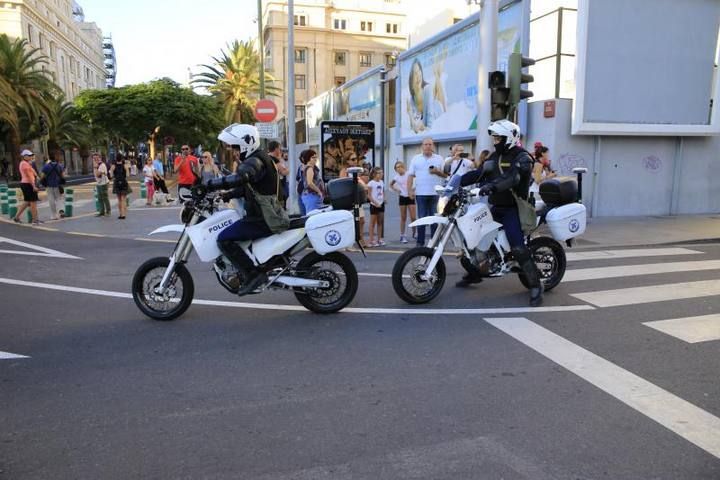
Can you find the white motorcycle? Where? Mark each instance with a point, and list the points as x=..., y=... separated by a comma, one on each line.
x=323, y=281
x=465, y=219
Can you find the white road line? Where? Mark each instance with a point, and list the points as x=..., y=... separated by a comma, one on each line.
x=381, y=275
x=690, y=329
x=672, y=412
x=635, y=270
x=36, y=250
x=628, y=253
x=655, y=293
x=298, y=308
x=10, y=356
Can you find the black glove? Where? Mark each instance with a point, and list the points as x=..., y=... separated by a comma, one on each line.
x=227, y=196
x=215, y=184
x=487, y=190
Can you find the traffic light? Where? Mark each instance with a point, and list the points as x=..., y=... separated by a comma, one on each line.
x=44, y=130
x=499, y=96
x=517, y=78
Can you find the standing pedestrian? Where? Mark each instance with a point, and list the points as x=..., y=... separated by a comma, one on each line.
x=300, y=179
x=481, y=160
x=119, y=172
x=399, y=184
x=312, y=196
x=350, y=159
x=376, y=189
x=424, y=174
x=159, y=182
x=276, y=154
x=52, y=176
x=187, y=168
x=101, y=178
x=208, y=170
x=149, y=179
x=28, y=185
x=459, y=163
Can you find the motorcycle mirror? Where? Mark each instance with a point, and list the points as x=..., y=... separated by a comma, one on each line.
x=354, y=170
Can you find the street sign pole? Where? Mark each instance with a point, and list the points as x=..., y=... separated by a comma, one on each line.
x=290, y=108
x=261, y=47
x=487, y=62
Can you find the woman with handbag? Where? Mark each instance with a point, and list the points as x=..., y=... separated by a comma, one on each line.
x=119, y=172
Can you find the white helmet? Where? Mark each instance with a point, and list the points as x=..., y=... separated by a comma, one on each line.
x=507, y=129
x=244, y=136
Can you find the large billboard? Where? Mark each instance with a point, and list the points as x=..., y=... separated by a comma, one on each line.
x=345, y=143
x=359, y=100
x=317, y=110
x=437, y=95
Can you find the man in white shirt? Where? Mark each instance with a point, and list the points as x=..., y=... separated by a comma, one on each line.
x=459, y=163
x=425, y=172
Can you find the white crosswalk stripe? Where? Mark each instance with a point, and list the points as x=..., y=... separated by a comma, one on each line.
x=636, y=270
x=629, y=253
x=690, y=329
x=655, y=293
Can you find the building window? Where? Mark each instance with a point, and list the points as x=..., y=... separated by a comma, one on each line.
x=390, y=59
x=339, y=81
x=300, y=20
x=365, y=59
x=30, y=33
x=340, y=24
x=299, y=112
x=340, y=58
x=52, y=51
x=41, y=41
x=300, y=55
x=391, y=28
x=366, y=26
x=299, y=82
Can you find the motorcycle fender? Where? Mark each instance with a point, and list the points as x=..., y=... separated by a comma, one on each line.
x=432, y=220
x=168, y=228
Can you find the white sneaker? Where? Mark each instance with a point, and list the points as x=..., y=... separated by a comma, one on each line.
x=403, y=239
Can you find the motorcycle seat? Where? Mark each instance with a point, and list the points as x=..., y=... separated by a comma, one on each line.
x=297, y=222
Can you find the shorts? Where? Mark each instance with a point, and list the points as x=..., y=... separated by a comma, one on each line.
x=29, y=195
x=404, y=201
x=375, y=210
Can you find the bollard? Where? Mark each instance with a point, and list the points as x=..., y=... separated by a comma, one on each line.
x=97, y=199
x=143, y=190
x=12, y=204
x=68, y=202
x=3, y=199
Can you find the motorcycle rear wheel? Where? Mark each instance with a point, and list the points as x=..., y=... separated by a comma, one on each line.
x=335, y=268
x=174, y=302
x=549, y=256
x=407, y=282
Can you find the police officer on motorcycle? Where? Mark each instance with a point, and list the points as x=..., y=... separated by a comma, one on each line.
x=256, y=180
x=508, y=170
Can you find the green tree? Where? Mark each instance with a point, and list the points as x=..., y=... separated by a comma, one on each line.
x=129, y=114
x=24, y=86
x=234, y=79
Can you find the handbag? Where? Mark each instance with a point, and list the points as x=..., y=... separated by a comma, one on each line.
x=274, y=214
x=526, y=213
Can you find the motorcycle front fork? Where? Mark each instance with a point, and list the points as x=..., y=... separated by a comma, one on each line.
x=437, y=244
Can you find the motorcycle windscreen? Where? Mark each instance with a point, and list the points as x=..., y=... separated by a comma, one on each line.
x=204, y=235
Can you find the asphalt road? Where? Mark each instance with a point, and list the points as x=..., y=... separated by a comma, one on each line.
x=582, y=390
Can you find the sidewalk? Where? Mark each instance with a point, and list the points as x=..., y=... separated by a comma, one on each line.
x=601, y=232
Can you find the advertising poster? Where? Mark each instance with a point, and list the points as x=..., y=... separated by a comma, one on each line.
x=360, y=100
x=346, y=144
x=438, y=81
x=317, y=110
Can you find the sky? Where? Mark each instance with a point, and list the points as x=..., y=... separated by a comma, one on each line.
x=155, y=39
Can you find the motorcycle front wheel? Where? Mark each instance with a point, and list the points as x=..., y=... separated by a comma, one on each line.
x=334, y=268
x=549, y=256
x=407, y=276
x=170, y=304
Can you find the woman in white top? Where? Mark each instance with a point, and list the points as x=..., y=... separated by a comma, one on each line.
x=541, y=169
x=376, y=190
x=399, y=184
x=149, y=179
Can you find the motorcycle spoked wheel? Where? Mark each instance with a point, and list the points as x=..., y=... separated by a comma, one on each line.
x=174, y=302
x=406, y=275
x=549, y=256
x=335, y=268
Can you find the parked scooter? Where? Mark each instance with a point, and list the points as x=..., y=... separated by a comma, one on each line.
x=464, y=218
x=323, y=281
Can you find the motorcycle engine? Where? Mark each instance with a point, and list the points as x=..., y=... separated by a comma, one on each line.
x=486, y=263
x=227, y=274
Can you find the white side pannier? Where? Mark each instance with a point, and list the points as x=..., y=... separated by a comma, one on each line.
x=331, y=231
x=567, y=222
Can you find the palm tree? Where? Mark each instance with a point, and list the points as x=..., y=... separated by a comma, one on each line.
x=25, y=84
x=234, y=79
x=66, y=126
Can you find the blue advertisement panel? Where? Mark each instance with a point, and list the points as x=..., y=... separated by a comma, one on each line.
x=317, y=110
x=360, y=100
x=437, y=94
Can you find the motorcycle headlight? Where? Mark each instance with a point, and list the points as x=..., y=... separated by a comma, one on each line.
x=442, y=203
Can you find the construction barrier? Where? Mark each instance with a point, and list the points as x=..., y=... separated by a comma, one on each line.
x=69, y=202
x=3, y=199
x=12, y=203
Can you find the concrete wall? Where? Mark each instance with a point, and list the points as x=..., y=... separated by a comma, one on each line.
x=632, y=175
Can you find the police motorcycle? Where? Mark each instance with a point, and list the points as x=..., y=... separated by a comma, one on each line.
x=464, y=218
x=323, y=281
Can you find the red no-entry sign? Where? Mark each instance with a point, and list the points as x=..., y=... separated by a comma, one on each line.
x=265, y=110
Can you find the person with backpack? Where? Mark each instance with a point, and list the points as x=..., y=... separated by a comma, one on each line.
x=52, y=177
x=300, y=179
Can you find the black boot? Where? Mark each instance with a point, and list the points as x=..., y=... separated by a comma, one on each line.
x=528, y=267
x=251, y=279
x=468, y=279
